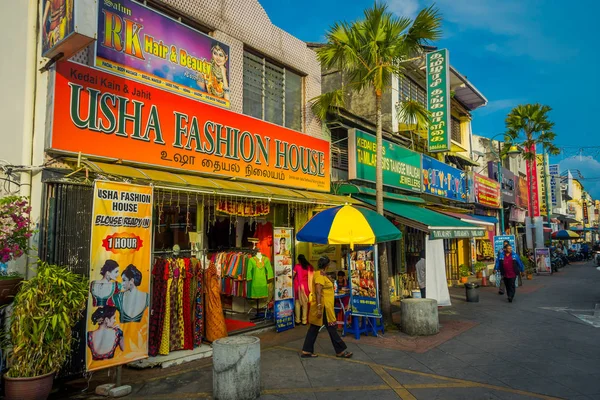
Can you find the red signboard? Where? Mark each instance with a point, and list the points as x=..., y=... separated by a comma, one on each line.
x=532, y=174
x=100, y=114
x=485, y=191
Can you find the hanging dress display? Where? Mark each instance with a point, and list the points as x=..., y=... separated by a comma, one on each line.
x=157, y=314
x=188, y=336
x=259, y=272
x=199, y=304
x=215, y=321
x=166, y=331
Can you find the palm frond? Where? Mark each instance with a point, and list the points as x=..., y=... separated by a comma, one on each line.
x=414, y=115
x=326, y=103
x=425, y=29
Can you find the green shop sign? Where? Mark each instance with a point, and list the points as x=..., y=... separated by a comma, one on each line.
x=455, y=233
x=438, y=100
x=401, y=167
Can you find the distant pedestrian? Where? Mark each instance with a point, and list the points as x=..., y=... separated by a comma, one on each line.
x=502, y=286
x=321, y=312
x=510, y=266
x=585, y=249
x=421, y=271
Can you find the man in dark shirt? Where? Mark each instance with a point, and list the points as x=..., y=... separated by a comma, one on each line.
x=510, y=266
x=502, y=287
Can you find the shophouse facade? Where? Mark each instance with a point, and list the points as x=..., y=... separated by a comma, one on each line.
x=417, y=195
x=219, y=126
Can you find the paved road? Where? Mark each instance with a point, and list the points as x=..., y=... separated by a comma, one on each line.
x=542, y=346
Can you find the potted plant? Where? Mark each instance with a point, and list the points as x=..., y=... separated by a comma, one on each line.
x=464, y=272
x=44, y=313
x=14, y=242
x=479, y=267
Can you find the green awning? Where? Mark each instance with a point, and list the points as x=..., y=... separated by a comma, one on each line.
x=348, y=188
x=439, y=226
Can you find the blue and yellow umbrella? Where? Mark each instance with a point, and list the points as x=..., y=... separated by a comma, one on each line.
x=348, y=225
x=564, y=234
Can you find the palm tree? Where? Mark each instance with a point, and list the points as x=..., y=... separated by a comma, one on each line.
x=527, y=126
x=414, y=116
x=369, y=52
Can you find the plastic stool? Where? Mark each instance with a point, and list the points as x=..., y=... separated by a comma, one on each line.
x=357, y=327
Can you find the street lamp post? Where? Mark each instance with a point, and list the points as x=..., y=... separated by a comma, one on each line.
x=512, y=152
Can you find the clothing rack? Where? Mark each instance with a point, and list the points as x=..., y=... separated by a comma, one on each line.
x=229, y=249
x=170, y=252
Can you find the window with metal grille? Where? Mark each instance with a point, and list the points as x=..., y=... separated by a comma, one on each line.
x=455, y=130
x=410, y=90
x=271, y=92
x=339, y=149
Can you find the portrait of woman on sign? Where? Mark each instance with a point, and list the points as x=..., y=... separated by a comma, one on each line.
x=104, y=341
x=216, y=82
x=104, y=290
x=131, y=302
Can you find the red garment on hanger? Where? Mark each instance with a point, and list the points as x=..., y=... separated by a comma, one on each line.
x=264, y=233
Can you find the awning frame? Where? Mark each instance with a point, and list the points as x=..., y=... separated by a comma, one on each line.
x=168, y=180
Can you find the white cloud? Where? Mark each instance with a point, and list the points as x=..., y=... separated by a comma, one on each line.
x=590, y=170
x=516, y=23
x=492, y=47
x=498, y=105
x=404, y=8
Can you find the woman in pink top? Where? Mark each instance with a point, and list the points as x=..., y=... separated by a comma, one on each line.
x=303, y=274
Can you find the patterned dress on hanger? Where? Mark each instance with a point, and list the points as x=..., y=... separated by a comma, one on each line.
x=215, y=321
x=199, y=305
x=166, y=331
x=157, y=315
x=188, y=334
x=176, y=289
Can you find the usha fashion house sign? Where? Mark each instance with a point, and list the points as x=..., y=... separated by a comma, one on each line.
x=100, y=114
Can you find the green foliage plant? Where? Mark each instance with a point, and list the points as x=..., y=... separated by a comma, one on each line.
x=44, y=314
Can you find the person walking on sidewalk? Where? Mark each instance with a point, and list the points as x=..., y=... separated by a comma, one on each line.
x=322, y=300
x=502, y=286
x=421, y=270
x=510, y=266
x=302, y=277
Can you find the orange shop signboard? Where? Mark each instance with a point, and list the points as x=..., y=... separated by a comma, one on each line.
x=484, y=191
x=100, y=114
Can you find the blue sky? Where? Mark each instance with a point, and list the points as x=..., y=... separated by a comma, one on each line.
x=513, y=51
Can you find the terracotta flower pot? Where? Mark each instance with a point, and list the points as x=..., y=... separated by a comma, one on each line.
x=479, y=275
x=36, y=388
x=9, y=289
x=464, y=279
x=529, y=277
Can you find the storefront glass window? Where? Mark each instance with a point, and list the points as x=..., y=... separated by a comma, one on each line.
x=272, y=93
x=172, y=225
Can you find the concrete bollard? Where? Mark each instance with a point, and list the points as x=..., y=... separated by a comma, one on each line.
x=236, y=368
x=419, y=317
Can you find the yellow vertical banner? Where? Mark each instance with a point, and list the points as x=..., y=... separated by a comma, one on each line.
x=119, y=298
